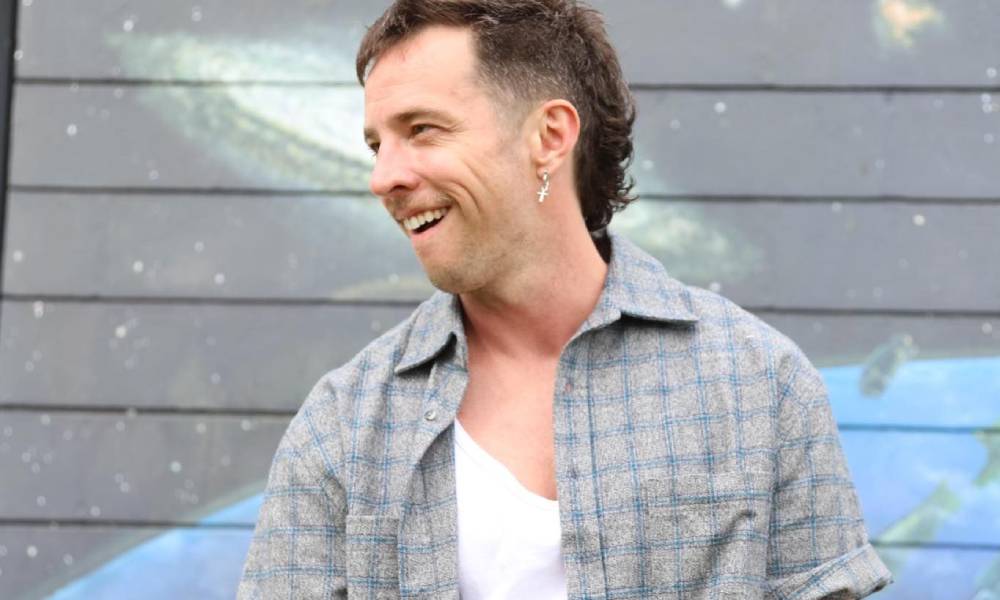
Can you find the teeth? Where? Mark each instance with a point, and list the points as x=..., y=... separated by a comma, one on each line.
x=424, y=217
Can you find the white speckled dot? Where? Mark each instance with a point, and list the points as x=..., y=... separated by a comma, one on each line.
x=138, y=267
x=215, y=378
x=201, y=428
x=675, y=124
x=45, y=419
x=715, y=286
x=36, y=468
x=39, y=309
x=40, y=500
x=175, y=467
x=18, y=54
x=68, y=559
x=196, y=13
x=31, y=551
x=989, y=138
x=246, y=425
x=199, y=246
x=18, y=256
x=836, y=207
x=919, y=220
x=71, y=129
x=95, y=511
x=720, y=107
x=3, y=550
x=987, y=328
x=121, y=331
x=120, y=426
x=220, y=278
x=128, y=25
x=8, y=431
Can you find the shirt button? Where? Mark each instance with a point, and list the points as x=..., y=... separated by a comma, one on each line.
x=431, y=414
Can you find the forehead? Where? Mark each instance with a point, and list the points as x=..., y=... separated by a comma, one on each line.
x=434, y=66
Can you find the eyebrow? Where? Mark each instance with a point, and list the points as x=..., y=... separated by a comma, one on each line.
x=409, y=116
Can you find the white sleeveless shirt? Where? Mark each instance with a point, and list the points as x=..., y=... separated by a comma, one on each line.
x=508, y=536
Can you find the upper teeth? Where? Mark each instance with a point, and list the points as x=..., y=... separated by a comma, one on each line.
x=424, y=217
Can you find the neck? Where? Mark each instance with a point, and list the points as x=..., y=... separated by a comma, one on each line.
x=534, y=312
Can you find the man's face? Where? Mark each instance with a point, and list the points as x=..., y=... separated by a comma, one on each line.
x=442, y=147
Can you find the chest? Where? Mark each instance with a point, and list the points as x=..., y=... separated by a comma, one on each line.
x=508, y=411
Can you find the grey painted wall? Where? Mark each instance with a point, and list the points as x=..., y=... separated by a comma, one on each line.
x=189, y=245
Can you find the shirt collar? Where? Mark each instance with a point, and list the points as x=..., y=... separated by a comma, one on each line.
x=636, y=285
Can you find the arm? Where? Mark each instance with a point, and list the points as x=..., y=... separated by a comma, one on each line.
x=298, y=544
x=818, y=547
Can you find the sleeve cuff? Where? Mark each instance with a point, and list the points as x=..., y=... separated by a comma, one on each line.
x=856, y=574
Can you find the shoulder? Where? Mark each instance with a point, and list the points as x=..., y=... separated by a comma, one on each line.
x=752, y=344
x=353, y=390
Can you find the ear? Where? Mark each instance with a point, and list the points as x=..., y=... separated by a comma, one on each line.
x=556, y=131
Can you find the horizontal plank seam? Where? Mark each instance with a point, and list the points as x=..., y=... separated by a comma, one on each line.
x=118, y=523
x=692, y=197
x=22, y=297
x=280, y=414
x=133, y=523
x=833, y=88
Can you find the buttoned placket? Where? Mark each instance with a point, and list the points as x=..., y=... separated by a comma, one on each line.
x=444, y=390
x=581, y=543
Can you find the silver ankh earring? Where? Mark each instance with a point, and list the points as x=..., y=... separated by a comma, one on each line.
x=544, y=191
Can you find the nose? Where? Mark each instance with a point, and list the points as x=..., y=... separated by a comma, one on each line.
x=393, y=172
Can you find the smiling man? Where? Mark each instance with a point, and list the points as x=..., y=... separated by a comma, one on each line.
x=562, y=419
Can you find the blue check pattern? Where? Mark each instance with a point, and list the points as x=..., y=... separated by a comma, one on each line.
x=696, y=458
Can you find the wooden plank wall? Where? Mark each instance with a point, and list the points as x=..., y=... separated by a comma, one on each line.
x=189, y=245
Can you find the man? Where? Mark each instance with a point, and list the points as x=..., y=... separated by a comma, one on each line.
x=563, y=419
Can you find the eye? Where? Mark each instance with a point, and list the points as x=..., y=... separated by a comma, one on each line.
x=374, y=149
x=420, y=128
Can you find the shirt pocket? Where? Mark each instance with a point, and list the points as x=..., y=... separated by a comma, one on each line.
x=707, y=534
x=371, y=555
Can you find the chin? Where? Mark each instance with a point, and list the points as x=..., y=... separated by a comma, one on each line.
x=452, y=280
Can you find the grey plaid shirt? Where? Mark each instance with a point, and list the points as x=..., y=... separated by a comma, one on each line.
x=696, y=457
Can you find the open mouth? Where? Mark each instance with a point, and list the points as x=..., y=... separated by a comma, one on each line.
x=427, y=226
x=425, y=221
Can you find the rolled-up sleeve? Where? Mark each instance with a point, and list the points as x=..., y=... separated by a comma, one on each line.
x=297, y=550
x=818, y=546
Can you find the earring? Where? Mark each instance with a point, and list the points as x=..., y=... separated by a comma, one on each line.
x=544, y=191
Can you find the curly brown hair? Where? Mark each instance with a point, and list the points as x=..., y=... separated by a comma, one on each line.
x=532, y=50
